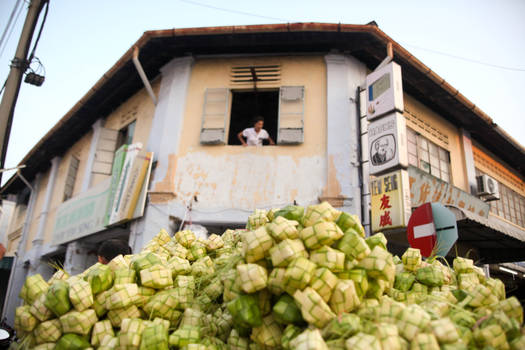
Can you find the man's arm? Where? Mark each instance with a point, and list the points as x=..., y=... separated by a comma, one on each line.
x=271, y=141
x=2, y=251
x=239, y=136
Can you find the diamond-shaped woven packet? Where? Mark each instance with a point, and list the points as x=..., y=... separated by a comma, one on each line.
x=256, y=244
x=342, y=326
x=214, y=242
x=289, y=333
x=185, y=238
x=125, y=275
x=203, y=267
x=122, y=295
x=376, y=288
x=236, y=342
x=48, y=332
x=116, y=316
x=100, y=330
x=196, y=251
x=310, y=339
x=411, y=259
x=362, y=341
x=467, y=280
x=32, y=288
x=512, y=308
x=287, y=250
x=162, y=237
x=313, y=307
x=336, y=344
x=360, y=281
x=131, y=333
x=257, y=219
x=191, y=317
x=412, y=320
x=323, y=282
x=144, y=261
x=378, y=239
x=482, y=296
x=276, y=280
x=462, y=265
x=424, y=341
x=39, y=309
x=444, y=330
x=268, y=333
x=58, y=275
x=319, y=212
x=57, y=298
x=353, y=245
x=404, y=281
x=282, y=228
x=346, y=221
x=154, y=337
x=179, y=266
x=118, y=262
x=72, y=341
x=184, y=335
x=332, y=259
x=298, y=274
x=344, y=297
x=388, y=336
x=286, y=311
x=78, y=322
x=156, y=276
x=252, y=277
x=100, y=278
x=379, y=264
x=497, y=287
x=319, y=234
x=80, y=294
x=99, y=303
x=24, y=320
x=232, y=285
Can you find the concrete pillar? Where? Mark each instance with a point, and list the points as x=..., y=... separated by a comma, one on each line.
x=79, y=256
x=344, y=76
x=35, y=253
x=470, y=168
x=167, y=122
x=86, y=179
x=20, y=268
x=156, y=217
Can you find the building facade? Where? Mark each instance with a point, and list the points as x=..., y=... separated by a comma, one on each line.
x=205, y=85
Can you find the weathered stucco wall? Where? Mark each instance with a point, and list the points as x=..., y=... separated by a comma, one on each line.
x=435, y=128
x=236, y=177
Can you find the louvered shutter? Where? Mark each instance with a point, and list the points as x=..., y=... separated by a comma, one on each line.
x=291, y=113
x=214, y=116
x=105, y=152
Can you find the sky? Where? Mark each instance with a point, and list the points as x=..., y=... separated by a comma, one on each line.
x=476, y=45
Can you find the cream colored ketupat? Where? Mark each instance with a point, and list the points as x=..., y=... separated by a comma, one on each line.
x=294, y=279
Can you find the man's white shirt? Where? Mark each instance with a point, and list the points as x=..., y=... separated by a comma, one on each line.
x=253, y=138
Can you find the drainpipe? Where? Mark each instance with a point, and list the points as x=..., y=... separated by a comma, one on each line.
x=143, y=76
x=389, y=56
x=365, y=173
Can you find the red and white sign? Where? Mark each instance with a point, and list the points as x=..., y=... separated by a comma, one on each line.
x=421, y=231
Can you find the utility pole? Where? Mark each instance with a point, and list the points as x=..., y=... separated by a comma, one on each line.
x=18, y=67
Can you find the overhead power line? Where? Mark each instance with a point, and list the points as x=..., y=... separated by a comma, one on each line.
x=466, y=59
x=233, y=11
x=6, y=35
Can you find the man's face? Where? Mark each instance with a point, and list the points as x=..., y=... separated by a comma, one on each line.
x=383, y=145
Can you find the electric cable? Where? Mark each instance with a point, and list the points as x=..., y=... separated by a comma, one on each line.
x=39, y=31
x=233, y=11
x=2, y=48
x=8, y=25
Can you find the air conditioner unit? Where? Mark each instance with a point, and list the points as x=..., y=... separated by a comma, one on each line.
x=488, y=187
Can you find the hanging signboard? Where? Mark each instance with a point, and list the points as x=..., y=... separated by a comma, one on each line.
x=427, y=188
x=387, y=143
x=384, y=88
x=390, y=203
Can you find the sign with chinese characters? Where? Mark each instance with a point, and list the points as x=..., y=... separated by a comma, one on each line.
x=387, y=143
x=427, y=188
x=390, y=201
x=384, y=88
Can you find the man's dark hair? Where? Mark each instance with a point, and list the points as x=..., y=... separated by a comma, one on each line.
x=258, y=119
x=113, y=247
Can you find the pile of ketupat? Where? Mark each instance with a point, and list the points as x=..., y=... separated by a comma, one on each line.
x=295, y=279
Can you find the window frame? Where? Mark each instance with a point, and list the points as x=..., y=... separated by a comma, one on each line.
x=71, y=178
x=424, y=155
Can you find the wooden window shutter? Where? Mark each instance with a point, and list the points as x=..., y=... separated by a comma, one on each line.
x=291, y=114
x=71, y=178
x=105, y=152
x=215, y=116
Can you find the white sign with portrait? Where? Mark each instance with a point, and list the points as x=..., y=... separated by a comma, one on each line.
x=387, y=143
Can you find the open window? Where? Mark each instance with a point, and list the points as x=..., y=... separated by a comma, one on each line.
x=282, y=110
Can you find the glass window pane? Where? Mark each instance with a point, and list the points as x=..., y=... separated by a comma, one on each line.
x=423, y=155
x=433, y=149
x=443, y=154
x=423, y=143
x=434, y=161
x=435, y=171
x=412, y=160
x=424, y=166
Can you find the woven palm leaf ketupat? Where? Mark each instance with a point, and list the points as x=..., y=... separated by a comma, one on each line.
x=295, y=278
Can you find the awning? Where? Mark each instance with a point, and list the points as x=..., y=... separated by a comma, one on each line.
x=496, y=240
x=6, y=263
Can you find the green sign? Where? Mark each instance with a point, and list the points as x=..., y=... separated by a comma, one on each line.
x=82, y=215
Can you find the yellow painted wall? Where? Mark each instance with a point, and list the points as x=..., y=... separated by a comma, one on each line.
x=443, y=133
x=139, y=108
x=222, y=175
